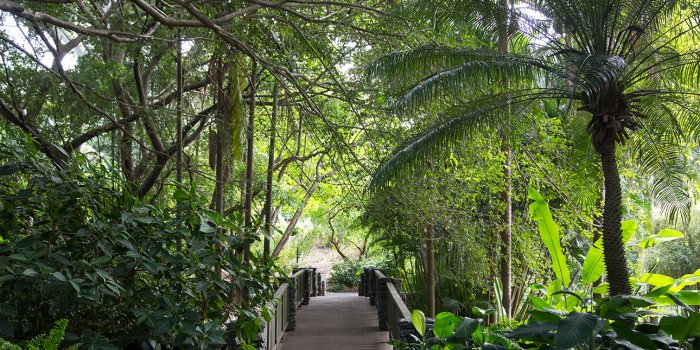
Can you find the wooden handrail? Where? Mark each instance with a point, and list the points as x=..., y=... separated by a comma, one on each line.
x=392, y=313
x=396, y=299
x=288, y=298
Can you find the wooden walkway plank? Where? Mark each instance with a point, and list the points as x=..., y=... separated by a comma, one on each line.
x=337, y=321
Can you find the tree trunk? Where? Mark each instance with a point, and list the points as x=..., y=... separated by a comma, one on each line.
x=506, y=233
x=294, y=220
x=613, y=251
x=248, y=204
x=178, y=128
x=507, y=217
x=430, y=269
x=270, y=172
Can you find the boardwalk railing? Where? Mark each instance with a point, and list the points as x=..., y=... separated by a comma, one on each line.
x=289, y=297
x=392, y=312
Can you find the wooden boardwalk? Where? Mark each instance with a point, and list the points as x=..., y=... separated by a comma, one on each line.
x=336, y=321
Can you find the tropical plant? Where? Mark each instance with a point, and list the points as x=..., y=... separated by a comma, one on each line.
x=618, y=322
x=449, y=331
x=618, y=63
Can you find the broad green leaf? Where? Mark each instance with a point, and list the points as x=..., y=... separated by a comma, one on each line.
x=629, y=227
x=656, y=280
x=549, y=232
x=664, y=235
x=538, y=302
x=549, y=316
x=418, y=320
x=593, y=264
x=602, y=288
x=445, y=323
x=681, y=327
x=685, y=281
x=463, y=331
x=478, y=335
x=575, y=329
x=59, y=276
x=637, y=338
x=689, y=297
x=533, y=329
x=206, y=225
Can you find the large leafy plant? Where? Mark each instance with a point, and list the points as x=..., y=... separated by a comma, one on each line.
x=452, y=332
x=562, y=318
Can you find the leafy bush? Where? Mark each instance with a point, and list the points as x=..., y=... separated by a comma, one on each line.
x=51, y=341
x=77, y=245
x=345, y=275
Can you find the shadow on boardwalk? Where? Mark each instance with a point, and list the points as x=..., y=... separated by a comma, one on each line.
x=337, y=321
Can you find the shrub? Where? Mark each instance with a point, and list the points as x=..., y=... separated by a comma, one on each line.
x=78, y=245
x=345, y=275
x=51, y=341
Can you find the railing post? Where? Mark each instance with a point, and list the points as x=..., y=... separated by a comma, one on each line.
x=292, y=306
x=319, y=292
x=361, y=287
x=314, y=289
x=382, y=290
x=359, y=283
x=307, y=286
x=373, y=287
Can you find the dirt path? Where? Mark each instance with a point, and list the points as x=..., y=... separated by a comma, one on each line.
x=322, y=259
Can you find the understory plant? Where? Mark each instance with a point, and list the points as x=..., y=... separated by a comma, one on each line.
x=78, y=245
x=450, y=331
x=565, y=313
x=50, y=341
x=618, y=322
x=345, y=275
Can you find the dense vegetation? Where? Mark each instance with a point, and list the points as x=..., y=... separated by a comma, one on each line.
x=516, y=162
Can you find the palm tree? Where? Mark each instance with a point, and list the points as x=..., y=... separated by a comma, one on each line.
x=619, y=63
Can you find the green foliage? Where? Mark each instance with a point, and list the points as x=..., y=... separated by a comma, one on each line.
x=418, y=320
x=450, y=331
x=78, y=245
x=611, y=323
x=51, y=341
x=549, y=232
x=345, y=275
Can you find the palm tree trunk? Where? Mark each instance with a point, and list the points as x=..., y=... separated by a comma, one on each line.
x=613, y=251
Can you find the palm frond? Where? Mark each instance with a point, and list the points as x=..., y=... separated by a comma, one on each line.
x=451, y=72
x=582, y=164
x=442, y=137
x=483, y=17
x=503, y=71
x=660, y=157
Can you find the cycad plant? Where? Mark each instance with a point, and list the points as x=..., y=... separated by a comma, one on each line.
x=624, y=65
